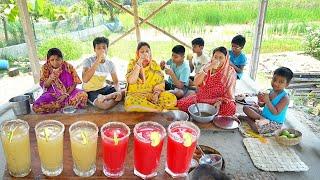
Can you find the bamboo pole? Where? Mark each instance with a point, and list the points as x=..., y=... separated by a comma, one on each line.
x=30, y=39
x=150, y=24
x=136, y=19
x=258, y=39
x=145, y=20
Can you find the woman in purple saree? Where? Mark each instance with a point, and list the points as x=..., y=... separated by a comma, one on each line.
x=58, y=80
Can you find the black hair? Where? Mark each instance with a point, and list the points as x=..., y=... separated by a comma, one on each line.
x=284, y=72
x=239, y=40
x=198, y=41
x=220, y=49
x=54, y=51
x=100, y=40
x=140, y=44
x=179, y=49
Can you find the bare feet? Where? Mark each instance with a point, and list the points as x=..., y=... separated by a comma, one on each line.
x=261, y=122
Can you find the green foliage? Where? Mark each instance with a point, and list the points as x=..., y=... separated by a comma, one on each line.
x=126, y=49
x=42, y=8
x=312, y=41
x=8, y=14
x=281, y=44
x=16, y=32
x=127, y=21
x=288, y=28
x=9, y=11
x=90, y=7
x=71, y=49
x=109, y=9
x=187, y=16
x=78, y=9
x=106, y=33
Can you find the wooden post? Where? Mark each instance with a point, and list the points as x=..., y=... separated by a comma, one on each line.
x=258, y=39
x=147, y=22
x=144, y=20
x=29, y=38
x=136, y=19
x=5, y=27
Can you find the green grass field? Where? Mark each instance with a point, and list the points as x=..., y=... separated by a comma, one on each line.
x=286, y=21
x=188, y=15
x=161, y=50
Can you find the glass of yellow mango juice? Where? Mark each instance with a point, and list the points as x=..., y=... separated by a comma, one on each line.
x=49, y=135
x=83, y=138
x=16, y=146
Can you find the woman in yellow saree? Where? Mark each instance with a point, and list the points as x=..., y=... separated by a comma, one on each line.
x=145, y=79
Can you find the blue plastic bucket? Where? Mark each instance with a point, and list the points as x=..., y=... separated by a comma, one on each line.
x=4, y=64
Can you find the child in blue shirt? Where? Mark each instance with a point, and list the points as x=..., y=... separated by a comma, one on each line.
x=237, y=58
x=275, y=104
x=178, y=71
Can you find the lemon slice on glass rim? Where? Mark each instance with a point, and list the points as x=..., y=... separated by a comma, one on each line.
x=155, y=138
x=187, y=139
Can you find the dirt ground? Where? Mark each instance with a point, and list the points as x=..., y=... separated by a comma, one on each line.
x=311, y=120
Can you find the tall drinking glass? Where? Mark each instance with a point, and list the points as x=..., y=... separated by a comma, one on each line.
x=16, y=146
x=115, y=137
x=49, y=135
x=83, y=138
x=148, y=142
x=182, y=140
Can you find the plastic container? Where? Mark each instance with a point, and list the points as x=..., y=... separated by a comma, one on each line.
x=4, y=64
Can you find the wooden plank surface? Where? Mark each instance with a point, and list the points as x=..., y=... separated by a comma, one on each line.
x=301, y=74
x=306, y=89
x=305, y=79
x=98, y=118
x=304, y=84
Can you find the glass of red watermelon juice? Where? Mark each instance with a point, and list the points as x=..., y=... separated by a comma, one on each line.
x=115, y=137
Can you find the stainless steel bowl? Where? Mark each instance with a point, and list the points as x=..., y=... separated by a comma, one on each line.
x=69, y=109
x=178, y=115
x=203, y=107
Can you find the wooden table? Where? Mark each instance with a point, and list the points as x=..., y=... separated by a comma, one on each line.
x=98, y=118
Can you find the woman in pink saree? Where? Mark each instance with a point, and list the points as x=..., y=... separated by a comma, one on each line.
x=58, y=80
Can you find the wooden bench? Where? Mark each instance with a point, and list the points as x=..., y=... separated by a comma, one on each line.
x=304, y=84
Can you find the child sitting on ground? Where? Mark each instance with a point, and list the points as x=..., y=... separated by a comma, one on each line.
x=178, y=71
x=275, y=104
x=237, y=58
x=198, y=59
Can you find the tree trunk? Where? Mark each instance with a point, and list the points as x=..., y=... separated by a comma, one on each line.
x=5, y=28
x=111, y=15
x=92, y=20
x=34, y=30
